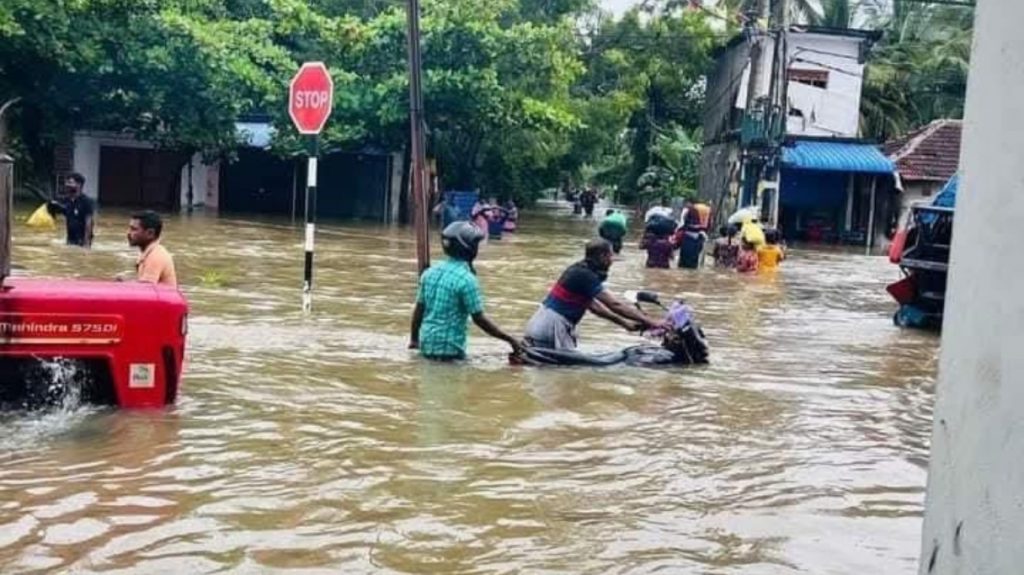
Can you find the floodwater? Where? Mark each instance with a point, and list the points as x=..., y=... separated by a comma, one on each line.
x=321, y=445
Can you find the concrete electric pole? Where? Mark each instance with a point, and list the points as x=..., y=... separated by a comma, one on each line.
x=756, y=16
x=974, y=510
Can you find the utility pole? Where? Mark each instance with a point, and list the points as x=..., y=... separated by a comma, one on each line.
x=752, y=164
x=778, y=107
x=418, y=164
x=758, y=15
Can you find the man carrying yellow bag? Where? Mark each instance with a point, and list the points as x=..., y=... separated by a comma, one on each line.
x=78, y=210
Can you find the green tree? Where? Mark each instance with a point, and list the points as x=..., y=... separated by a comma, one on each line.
x=169, y=71
x=518, y=93
x=646, y=74
x=918, y=72
x=677, y=163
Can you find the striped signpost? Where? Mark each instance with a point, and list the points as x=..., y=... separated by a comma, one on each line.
x=310, y=99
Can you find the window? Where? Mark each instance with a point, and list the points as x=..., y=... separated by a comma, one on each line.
x=816, y=78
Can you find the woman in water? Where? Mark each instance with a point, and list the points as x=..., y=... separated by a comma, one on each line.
x=659, y=250
x=726, y=249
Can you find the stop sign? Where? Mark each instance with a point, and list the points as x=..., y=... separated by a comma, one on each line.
x=311, y=97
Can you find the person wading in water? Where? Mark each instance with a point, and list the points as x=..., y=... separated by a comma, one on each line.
x=449, y=294
x=78, y=210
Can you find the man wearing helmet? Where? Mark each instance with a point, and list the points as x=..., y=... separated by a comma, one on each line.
x=581, y=288
x=449, y=293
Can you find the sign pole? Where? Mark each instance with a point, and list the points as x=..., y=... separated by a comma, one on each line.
x=311, y=168
x=310, y=99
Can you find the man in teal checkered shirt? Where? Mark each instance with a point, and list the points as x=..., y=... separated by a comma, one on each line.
x=449, y=294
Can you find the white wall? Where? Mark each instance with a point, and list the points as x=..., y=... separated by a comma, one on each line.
x=86, y=161
x=915, y=192
x=205, y=183
x=397, y=169
x=974, y=516
x=834, y=111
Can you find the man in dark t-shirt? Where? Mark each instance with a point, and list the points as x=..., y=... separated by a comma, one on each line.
x=581, y=288
x=78, y=210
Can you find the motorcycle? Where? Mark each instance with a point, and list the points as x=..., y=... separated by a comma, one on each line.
x=683, y=343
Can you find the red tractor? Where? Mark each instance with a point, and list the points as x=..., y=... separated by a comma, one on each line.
x=123, y=341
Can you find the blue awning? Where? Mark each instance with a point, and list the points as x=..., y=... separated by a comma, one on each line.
x=837, y=157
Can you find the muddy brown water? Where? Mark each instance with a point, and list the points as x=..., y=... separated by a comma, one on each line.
x=320, y=445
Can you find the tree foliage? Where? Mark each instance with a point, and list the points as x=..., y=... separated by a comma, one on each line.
x=919, y=71
x=645, y=77
x=497, y=75
x=520, y=95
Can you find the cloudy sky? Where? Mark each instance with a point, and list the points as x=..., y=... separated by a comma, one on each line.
x=617, y=6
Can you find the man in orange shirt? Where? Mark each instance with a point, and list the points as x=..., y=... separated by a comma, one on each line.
x=155, y=264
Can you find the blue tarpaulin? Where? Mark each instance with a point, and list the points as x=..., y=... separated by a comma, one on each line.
x=837, y=157
x=947, y=197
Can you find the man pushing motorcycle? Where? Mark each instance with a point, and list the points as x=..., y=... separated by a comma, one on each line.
x=579, y=289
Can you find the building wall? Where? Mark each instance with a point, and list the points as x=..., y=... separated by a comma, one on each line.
x=723, y=84
x=831, y=111
x=718, y=165
x=974, y=508
x=918, y=191
x=835, y=110
x=349, y=185
x=86, y=161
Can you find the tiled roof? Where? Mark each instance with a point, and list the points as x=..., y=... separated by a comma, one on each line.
x=928, y=153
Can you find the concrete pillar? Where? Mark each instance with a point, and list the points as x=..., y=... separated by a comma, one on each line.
x=974, y=517
x=850, y=190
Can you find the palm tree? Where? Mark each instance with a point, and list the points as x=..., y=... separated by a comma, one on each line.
x=918, y=72
x=837, y=13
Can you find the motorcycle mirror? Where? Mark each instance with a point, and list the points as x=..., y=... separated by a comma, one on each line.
x=636, y=297
x=648, y=297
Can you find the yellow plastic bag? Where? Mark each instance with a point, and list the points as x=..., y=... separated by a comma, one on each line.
x=752, y=233
x=41, y=219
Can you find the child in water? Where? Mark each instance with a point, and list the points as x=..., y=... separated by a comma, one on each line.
x=659, y=250
x=747, y=260
x=770, y=255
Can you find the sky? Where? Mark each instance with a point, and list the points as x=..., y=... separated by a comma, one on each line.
x=617, y=7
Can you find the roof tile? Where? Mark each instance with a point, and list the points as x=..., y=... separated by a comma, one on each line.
x=929, y=153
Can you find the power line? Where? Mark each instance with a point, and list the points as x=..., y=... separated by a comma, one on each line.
x=828, y=67
x=825, y=53
x=963, y=3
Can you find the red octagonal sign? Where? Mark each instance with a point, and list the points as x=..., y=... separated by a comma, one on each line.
x=311, y=97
